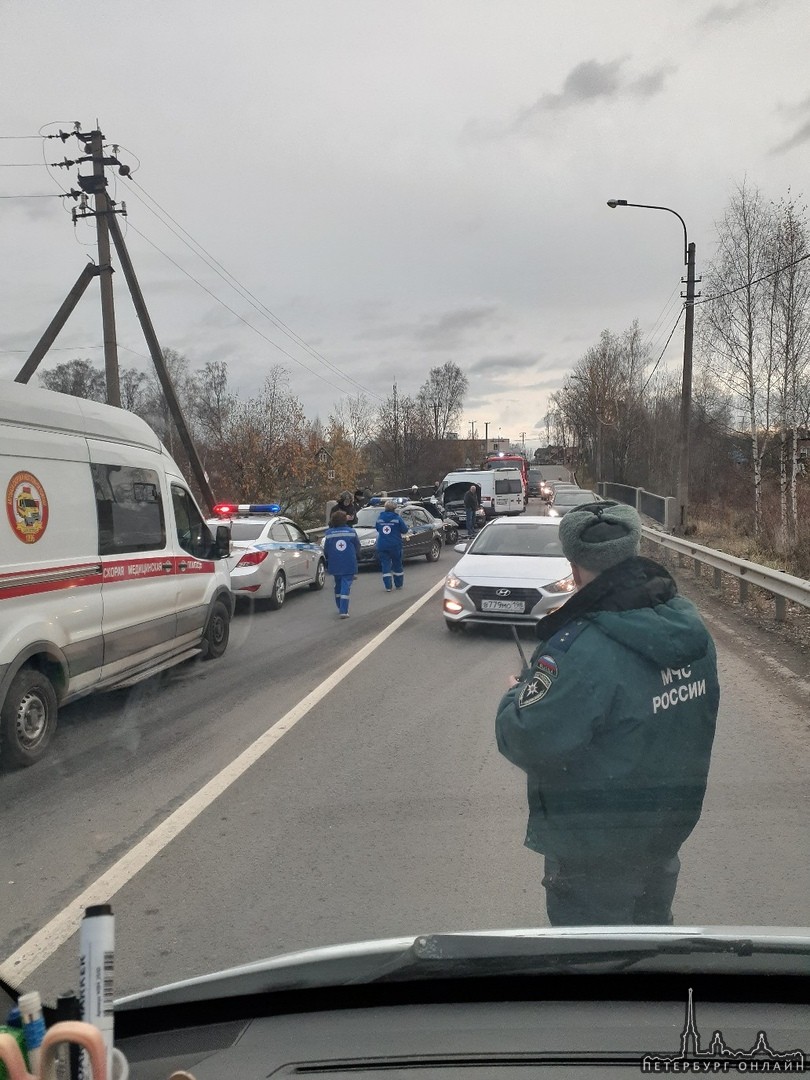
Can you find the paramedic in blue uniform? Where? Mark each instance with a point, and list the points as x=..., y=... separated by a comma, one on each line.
x=613, y=723
x=341, y=550
x=390, y=532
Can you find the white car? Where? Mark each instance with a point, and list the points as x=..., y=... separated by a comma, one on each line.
x=514, y=573
x=270, y=555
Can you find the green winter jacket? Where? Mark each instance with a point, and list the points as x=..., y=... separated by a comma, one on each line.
x=614, y=721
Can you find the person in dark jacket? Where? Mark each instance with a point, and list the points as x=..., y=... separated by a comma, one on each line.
x=390, y=532
x=345, y=504
x=341, y=550
x=471, y=505
x=613, y=723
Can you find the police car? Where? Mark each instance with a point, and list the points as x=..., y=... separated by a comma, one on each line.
x=270, y=555
x=425, y=536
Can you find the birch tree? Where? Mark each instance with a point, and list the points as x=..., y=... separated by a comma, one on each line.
x=733, y=327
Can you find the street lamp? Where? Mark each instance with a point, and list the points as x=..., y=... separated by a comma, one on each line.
x=686, y=382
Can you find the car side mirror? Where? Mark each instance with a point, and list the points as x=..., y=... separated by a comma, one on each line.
x=222, y=541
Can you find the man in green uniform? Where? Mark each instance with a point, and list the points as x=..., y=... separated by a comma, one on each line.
x=613, y=723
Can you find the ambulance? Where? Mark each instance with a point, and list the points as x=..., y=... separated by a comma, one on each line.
x=108, y=571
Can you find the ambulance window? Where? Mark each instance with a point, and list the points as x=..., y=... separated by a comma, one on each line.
x=193, y=534
x=129, y=508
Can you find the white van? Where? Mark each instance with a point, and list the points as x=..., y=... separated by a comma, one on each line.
x=500, y=491
x=108, y=572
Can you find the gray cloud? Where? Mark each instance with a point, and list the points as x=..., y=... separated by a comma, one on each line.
x=727, y=13
x=448, y=330
x=797, y=139
x=445, y=331
x=505, y=363
x=592, y=81
x=587, y=82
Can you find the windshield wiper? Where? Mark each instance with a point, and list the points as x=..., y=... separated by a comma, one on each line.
x=473, y=955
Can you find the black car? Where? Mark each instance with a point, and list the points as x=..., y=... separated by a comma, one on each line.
x=436, y=510
x=425, y=537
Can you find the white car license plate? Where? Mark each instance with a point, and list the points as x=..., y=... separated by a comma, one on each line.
x=513, y=607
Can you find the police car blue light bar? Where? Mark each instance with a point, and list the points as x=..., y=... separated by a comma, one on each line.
x=228, y=509
x=378, y=500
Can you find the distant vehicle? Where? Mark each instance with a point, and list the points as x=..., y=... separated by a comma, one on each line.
x=566, y=499
x=516, y=461
x=270, y=555
x=425, y=538
x=514, y=572
x=535, y=483
x=500, y=491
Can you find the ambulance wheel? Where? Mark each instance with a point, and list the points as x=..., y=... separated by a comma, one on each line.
x=320, y=576
x=435, y=551
x=28, y=718
x=218, y=631
x=279, y=592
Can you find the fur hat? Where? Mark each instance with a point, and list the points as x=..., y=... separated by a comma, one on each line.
x=600, y=535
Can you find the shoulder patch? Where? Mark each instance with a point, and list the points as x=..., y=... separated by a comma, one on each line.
x=536, y=688
x=549, y=665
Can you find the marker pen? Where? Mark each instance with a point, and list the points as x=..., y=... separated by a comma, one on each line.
x=33, y=1023
x=96, y=964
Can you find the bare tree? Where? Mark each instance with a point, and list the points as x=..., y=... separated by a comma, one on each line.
x=355, y=416
x=790, y=309
x=79, y=378
x=442, y=397
x=734, y=329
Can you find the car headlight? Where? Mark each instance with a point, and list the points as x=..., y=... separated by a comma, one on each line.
x=368, y=542
x=552, y=512
x=564, y=585
x=453, y=582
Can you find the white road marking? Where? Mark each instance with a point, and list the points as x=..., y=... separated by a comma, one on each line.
x=41, y=945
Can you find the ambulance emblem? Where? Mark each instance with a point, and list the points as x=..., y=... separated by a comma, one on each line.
x=27, y=507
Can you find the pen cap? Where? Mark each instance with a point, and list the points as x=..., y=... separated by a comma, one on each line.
x=30, y=1006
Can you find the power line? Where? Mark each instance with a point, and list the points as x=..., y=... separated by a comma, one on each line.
x=756, y=281
x=241, y=318
x=254, y=301
x=658, y=361
x=49, y=196
x=20, y=137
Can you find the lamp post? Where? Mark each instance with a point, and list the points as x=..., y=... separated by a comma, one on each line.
x=686, y=382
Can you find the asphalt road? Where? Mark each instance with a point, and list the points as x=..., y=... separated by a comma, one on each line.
x=382, y=809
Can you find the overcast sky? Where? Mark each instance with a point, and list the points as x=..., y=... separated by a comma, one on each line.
x=400, y=183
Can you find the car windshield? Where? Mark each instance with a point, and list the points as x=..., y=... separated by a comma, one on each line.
x=367, y=516
x=247, y=530
x=519, y=539
x=265, y=257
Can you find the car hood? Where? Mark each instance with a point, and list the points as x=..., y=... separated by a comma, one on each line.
x=488, y=953
x=363, y=532
x=494, y=569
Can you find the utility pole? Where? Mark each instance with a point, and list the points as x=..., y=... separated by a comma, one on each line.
x=523, y=440
x=486, y=436
x=686, y=389
x=103, y=211
x=472, y=430
x=107, y=225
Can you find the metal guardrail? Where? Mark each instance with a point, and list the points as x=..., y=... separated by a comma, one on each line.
x=783, y=586
x=661, y=508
